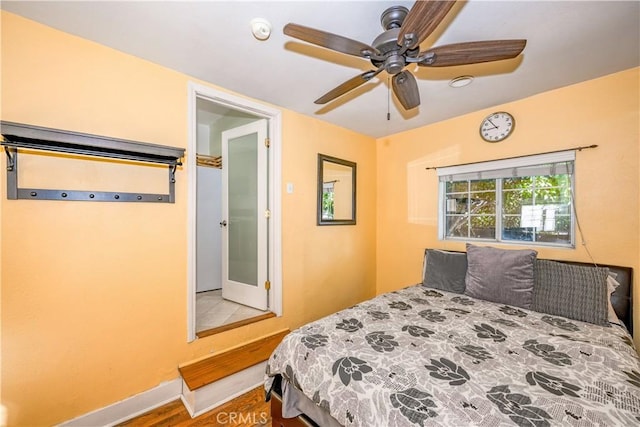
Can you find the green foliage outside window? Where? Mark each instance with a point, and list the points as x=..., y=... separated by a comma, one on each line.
x=534, y=208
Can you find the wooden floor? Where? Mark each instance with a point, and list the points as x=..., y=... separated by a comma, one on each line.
x=248, y=410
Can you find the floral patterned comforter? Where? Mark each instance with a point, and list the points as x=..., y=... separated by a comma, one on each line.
x=419, y=356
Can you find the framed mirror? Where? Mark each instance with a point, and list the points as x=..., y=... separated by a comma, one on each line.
x=336, y=191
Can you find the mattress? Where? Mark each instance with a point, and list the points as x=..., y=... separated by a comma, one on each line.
x=420, y=356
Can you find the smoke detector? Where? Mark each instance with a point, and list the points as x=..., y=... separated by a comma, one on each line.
x=261, y=28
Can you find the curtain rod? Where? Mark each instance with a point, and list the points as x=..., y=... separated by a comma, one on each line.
x=516, y=157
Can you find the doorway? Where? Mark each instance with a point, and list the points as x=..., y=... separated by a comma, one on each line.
x=234, y=240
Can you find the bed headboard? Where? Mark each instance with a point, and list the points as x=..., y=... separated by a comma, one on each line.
x=621, y=299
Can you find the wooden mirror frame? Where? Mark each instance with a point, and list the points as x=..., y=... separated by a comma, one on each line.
x=322, y=158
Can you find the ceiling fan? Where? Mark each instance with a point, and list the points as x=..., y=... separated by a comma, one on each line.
x=399, y=46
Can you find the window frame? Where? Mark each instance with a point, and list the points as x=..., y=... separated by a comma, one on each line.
x=485, y=167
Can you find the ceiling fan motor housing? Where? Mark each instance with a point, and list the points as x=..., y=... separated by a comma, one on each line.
x=387, y=45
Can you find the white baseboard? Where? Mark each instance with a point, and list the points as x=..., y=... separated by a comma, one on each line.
x=130, y=407
x=217, y=393
x=197, y=401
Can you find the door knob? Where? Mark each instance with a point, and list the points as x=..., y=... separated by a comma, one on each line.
x=223, y=223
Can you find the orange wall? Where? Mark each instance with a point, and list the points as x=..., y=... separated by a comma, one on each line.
x=603, y=111
x=94, y=294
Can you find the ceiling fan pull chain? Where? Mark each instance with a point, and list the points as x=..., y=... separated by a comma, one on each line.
x=388, y=98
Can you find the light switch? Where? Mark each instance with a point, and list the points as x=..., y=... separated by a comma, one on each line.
x=289, y=187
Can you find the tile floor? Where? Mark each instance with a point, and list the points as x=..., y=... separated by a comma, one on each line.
x=212, y=310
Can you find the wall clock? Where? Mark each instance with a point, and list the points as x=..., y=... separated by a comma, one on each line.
x=497, y=126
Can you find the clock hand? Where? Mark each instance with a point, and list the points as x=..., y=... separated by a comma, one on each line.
x=494, y=126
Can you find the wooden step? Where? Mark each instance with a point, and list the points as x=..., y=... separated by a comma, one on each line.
x=213, y=368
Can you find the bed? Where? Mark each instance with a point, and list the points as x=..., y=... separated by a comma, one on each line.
x=431, y=354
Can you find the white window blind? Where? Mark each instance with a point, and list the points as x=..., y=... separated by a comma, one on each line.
x=558, y=163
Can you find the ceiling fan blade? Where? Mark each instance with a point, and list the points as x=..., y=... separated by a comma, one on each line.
x=472, y=52
x=329, y=40
x=422, y=20
x=348, y=86
x=406, y=89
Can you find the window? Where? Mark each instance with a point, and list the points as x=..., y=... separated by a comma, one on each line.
x=525, y=199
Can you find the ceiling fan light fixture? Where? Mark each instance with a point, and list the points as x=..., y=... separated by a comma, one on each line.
x=261, y=28
x=461, y=81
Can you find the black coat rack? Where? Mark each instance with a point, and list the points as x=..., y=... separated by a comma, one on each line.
x=22, y=136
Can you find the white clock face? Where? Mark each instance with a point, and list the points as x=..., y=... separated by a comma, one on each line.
x=496, y=127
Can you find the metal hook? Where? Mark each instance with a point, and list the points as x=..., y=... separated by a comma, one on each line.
x=10, y=159
x=172, y=172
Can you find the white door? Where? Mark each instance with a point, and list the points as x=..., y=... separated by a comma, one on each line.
x=244, y=214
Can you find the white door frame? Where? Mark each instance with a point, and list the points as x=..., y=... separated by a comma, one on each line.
x=274, y=117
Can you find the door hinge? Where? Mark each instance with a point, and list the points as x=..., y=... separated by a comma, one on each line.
x=267, y=285
x=267, y=142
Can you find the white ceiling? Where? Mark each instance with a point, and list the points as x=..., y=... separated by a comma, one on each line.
x=567, y=42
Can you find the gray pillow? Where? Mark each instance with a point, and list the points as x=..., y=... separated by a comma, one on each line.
x=444, y=270
x=499, y=275
x=574, y=291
